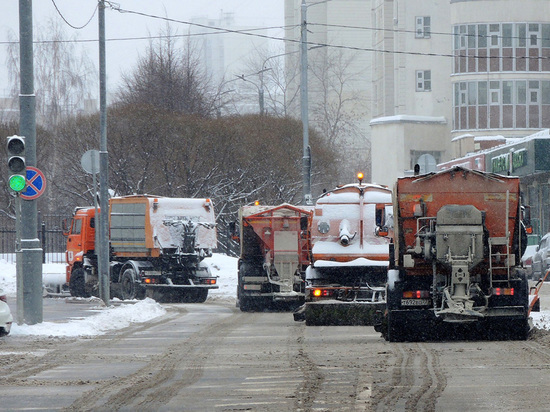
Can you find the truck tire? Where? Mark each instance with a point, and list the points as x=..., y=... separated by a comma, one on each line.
x=77, y=284
x=395, y=331
x=129, y=288
x=246, y=304
x=202, y=295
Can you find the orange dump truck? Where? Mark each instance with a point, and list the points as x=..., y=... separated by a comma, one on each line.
x=456, y=268
x=157, y=247
x=350, y=236
x=275, y=252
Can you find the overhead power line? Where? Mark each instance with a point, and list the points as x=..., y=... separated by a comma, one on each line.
x=309, y=43
x=251, y=32
x=69, y=24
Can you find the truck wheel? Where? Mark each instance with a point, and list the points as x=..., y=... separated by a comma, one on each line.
x=129, y=289
x=395, y=329
x=246, y=304
x=202, y=295
x=77, y=284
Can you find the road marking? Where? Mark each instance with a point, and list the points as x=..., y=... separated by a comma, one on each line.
x=246, y=404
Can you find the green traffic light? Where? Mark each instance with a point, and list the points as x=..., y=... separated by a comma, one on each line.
x=17, y=183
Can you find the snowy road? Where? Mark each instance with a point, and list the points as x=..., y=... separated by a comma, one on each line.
x=211, y=357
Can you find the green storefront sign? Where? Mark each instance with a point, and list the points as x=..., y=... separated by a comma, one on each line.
x=501, y=164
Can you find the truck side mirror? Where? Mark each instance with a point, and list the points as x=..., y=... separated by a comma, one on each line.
x=303, y=223
x=233, y=233
x=65, y=227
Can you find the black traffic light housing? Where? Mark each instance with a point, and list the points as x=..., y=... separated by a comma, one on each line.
x=17, y=168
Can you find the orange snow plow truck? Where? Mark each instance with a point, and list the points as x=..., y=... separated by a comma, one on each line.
x=350, y=235
x=157, y=247
x=275, y=252
x=456, y=268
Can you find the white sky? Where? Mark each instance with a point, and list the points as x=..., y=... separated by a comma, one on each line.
x=122, y=55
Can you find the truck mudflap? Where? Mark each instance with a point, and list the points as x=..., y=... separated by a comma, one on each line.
x=288, y=296
x=342, y=306
x=339, y=313
x=257, y=302
x=160, y=286
x=171, y=293
x=500, y=323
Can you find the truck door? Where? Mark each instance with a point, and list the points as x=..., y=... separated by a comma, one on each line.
x=74, y=239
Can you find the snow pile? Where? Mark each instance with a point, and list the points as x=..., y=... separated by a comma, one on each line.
x=225, y=267
x=541, y=320
x=52, y=273
x=111, y=318
x=107, y=319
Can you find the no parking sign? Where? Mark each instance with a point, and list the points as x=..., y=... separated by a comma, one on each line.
x=36, y=184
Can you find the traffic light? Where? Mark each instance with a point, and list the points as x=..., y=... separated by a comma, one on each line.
x=17, y=168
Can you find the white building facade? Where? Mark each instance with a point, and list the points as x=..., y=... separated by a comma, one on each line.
x=501, y=68
x=476, y=64
x=411, y=87
x=339, y=76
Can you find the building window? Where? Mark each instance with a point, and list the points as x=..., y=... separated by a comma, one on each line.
x=495, y=92
x=498, y=47
x=422, y=27
x=463, y=90
x=462, y=37
x=423, y=80
x=533, y=35
x=494, y=34
x=533, y=92
x=506, y=103
x=415, y=156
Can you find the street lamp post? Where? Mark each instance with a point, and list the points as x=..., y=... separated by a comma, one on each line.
x=304, y=103
x=260, y=88
x=306, y=159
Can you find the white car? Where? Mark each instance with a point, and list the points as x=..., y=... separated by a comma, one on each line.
x=541, y=258
x=527, y=258
x=5, y=315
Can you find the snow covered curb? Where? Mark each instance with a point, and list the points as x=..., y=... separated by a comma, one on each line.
x=105, y=320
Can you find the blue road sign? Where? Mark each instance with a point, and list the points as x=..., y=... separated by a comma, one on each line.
x=36, y=184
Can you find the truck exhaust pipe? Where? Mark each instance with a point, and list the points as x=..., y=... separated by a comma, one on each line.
x=345, y=233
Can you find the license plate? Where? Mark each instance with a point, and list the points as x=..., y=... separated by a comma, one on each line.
x=415, y=302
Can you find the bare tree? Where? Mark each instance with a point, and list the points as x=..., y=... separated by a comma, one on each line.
x=169, y=76
x=336, y=108
x=64, y=75
x=274, y=77
x=64, y=78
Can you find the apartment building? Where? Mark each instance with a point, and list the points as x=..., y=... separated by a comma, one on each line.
x=411, y=87
x=453, y=75
x=501, y=68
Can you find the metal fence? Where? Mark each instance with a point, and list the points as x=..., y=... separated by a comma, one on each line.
x=49, y=231
x=53, y=243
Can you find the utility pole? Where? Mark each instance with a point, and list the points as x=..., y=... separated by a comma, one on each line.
x=103, y=252
x=29, y=256
x=306, y=159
